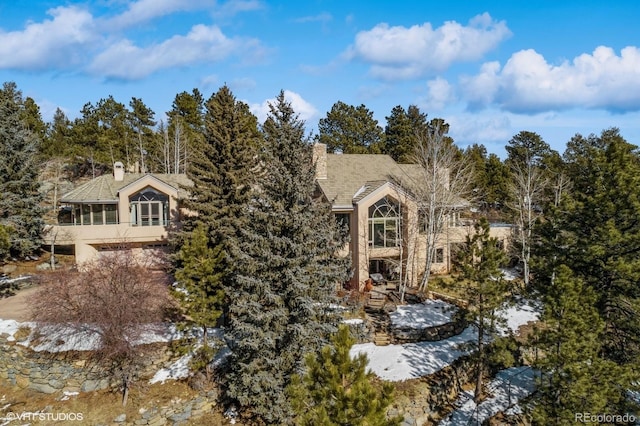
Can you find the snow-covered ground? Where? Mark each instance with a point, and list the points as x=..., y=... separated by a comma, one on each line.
x=413, y=360
x=517, y=315
x=72, y=339
x=10, y=327
x=506, y=389
x=419, y=316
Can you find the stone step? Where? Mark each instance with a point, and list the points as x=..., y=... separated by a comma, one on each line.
x=381, y=339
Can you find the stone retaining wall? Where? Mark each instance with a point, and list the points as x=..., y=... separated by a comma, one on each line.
x=67, y=371
x=427, y=399
x=429, y=334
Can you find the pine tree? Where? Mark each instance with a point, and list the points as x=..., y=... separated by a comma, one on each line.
x=350, y=130
x=601, y=234
x=287, y=271
x=20, y=212
x=574, y=377
x=479, y=266
x=337, y=390
x=401, y=133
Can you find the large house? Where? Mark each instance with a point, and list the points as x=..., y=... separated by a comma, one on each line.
x=370, y=194
x=133, y=209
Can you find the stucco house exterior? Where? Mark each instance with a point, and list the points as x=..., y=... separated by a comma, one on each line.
x=368, y=195
x=135, y=210
x=387, y=237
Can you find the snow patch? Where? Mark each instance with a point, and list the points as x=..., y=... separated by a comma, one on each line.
x=430, y=313
x=518, y=315
x=506, y=389
x=353, y=321
x=178, y=370
x=412, y=360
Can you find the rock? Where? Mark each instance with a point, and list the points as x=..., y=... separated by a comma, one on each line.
x=43, y=267
x=43, y=387
x=121, y=418
x=93, y=385
x=408, y=421
x=8, y=269
x=22, y=382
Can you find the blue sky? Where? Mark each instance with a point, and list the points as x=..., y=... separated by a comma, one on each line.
x=489, y=68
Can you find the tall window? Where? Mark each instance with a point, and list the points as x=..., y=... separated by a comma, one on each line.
x=384, y=223
x=149, y=207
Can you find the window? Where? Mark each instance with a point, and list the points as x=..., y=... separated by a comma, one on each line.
x=439, y=255
x=149, y=208
x=110, y=214
x=95, y=214
x=86, y=214
x=384, y=223
x=343, y=220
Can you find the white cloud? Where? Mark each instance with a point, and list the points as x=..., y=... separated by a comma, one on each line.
x=146, y=10
x=233, y=7
x=487, y=129
x=404, y=53
x=58, y=42
x=301, y=107
x=202, y=44
x=528, y=83
x=439, y=94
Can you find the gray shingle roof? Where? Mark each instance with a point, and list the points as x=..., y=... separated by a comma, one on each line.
x=351, y=177
x=105, y=188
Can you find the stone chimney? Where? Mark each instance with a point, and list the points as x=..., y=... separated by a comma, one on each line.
x=118, y=171
x=320, y=160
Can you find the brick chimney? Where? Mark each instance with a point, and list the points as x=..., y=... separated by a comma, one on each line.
x=320, y=160
x=118, y=171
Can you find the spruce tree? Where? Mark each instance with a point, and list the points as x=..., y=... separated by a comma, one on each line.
x=337, y=390
x=479, y=264
x=221, y=169
x=199, y=287
x=574, y=377
x=286, y=272
x=20, y=212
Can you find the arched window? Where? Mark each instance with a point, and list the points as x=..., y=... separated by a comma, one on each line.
x=384, y=223
x=149, y=207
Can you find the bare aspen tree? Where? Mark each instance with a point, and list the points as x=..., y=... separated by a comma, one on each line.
x=526, y=152
x=526, y=189
x=444, y=185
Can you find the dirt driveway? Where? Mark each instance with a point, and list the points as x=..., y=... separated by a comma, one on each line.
x=16, y=307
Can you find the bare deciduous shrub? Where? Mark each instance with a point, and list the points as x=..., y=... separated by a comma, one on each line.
x=114, y=300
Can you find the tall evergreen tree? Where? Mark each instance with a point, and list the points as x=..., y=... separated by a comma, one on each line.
x=199, y=285
x=479, y=265
x=20, y=211
x=600, y=231
x=287, y=271
x=574, y=377
x=402, y=132
x=350, y=130
x=336, y=389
